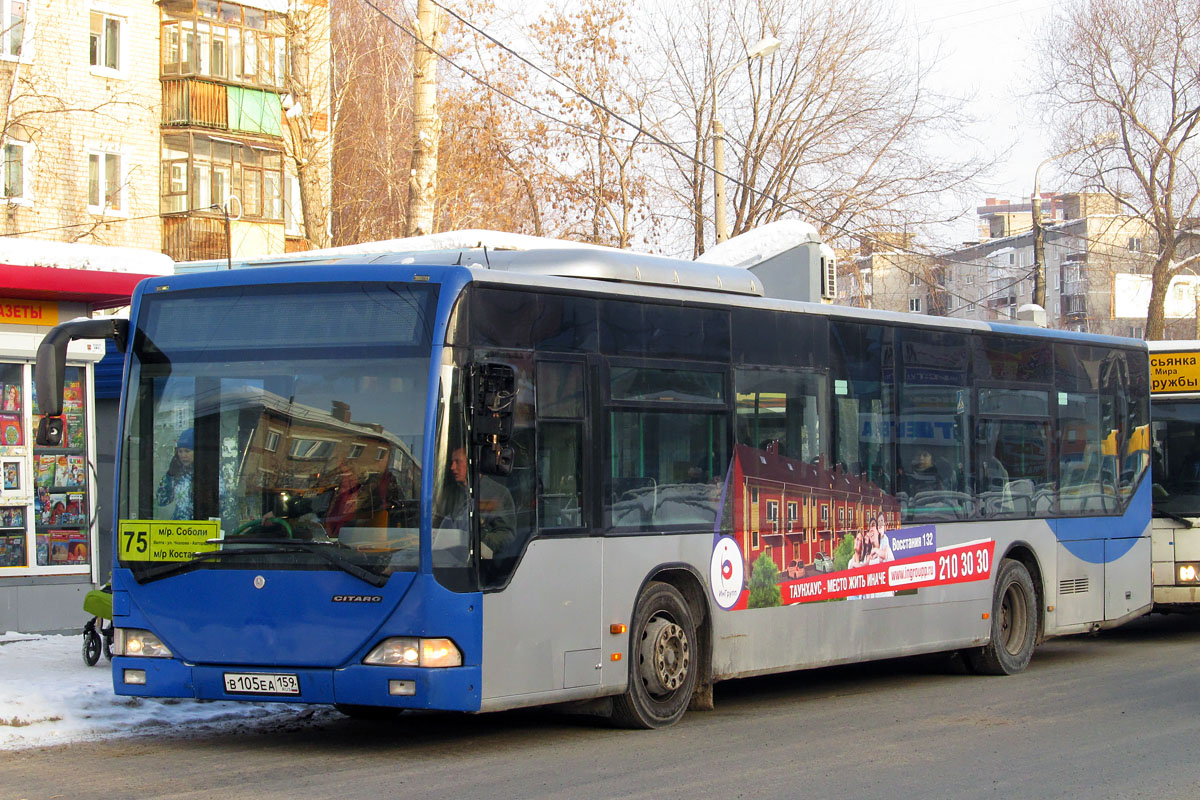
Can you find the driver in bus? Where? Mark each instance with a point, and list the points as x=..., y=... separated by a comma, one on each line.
x=497, y=514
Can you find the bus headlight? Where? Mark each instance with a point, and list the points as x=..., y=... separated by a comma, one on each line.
x=405, y=651
x=1187, y=573
x=137, y=642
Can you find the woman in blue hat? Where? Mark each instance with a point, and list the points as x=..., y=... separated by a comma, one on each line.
x=176, y=485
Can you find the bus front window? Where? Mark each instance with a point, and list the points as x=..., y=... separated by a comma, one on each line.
x=304, y=430
x=1176, y=457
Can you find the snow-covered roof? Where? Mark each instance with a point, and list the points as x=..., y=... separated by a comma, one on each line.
x=472, y=238
x=67, y=255
x=757, y=245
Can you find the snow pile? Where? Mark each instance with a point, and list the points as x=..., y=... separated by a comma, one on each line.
x=48, y=696
x=67, y=255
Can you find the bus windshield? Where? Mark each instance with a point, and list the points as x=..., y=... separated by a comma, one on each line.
x=1176, y=426
x=285, y=425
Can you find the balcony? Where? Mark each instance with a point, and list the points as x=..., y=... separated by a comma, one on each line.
x=194, y=238
x=1074, y=306
x=190, y=102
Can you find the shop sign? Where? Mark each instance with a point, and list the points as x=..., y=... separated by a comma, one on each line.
x=28, y=312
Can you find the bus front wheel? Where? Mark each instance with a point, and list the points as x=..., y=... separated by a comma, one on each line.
x=1014, y=623
x=662, y=660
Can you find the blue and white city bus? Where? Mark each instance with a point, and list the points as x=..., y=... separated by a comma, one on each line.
x=480, y=480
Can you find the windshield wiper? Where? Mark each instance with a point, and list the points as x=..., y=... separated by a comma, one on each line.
x=277, y=547
x=1184, y=521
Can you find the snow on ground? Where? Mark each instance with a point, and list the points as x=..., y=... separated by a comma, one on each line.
x=48, y=696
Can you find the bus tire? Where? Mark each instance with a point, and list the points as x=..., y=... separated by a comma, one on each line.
x=1014, y=623
x=663, y=663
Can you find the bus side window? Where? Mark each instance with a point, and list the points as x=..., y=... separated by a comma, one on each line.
x=561, y=393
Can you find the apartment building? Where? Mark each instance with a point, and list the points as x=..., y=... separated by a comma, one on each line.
x=180, y=125
x=1084, y=252
x=889, y=274
x=1087, y=245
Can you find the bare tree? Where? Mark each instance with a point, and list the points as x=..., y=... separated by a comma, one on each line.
x=601, y=183
x=1130, y=70
x=372, y=111
x=838, y=122
x=307, y=139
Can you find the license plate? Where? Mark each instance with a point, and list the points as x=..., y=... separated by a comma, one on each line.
x=261, y=683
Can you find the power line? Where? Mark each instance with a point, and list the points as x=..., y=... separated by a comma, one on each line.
x=599, y=106
x=657, y=140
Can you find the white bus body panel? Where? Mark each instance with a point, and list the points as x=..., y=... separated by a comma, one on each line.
x=567, y=593
x=1173, y=542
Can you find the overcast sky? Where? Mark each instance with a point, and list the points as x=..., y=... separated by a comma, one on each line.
x=988, y=53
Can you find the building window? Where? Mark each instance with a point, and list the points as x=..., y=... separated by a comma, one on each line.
x=311, y=448
x=773, y=510
x=1135, y=244
x=104, y=41
x=14, y=16
x=824, y=513
x=356, y=450
x=105, y=182
x=914, y=304
x=272, y=441
x=16, y=162
x=753, y=540
x=792, y=511
x=293, y=209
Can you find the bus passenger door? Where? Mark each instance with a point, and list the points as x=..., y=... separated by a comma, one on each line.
x=542, y=626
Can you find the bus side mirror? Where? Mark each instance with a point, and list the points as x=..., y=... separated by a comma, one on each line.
x=50, y=368
x=493, y=393
x=50, y=432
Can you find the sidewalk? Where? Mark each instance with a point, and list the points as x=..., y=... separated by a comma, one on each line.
x=48, y=696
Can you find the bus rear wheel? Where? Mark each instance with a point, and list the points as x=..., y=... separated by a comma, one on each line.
x=1014, y=623
x=662, y=660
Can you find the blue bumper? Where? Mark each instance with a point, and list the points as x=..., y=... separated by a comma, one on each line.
x=445, y=689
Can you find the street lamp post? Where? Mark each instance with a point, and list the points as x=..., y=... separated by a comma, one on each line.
x=764, y=47
x=1035, y=209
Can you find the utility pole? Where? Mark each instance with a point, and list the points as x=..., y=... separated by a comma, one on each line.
x=719, y=177
x=1039, y=247
x=1035, y=208
x=427, y=128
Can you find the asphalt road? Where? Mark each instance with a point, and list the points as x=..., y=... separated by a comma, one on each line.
x=1114, y=715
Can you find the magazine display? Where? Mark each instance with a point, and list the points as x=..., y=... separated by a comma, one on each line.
x=57, y=479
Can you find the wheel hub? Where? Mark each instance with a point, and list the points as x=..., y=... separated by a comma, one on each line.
x=666, y=656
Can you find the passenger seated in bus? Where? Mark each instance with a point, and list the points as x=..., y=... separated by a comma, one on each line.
x=497, y=514
x=922, y=475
